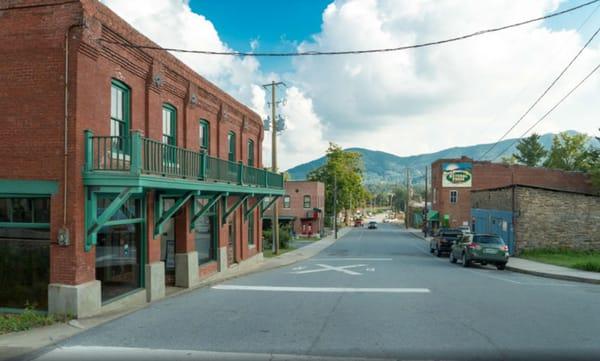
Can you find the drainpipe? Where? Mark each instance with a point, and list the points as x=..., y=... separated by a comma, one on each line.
x=63, y=238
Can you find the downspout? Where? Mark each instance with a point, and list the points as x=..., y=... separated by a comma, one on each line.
x=66, y=125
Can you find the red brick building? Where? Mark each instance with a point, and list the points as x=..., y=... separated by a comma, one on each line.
x=303, y=206
x=124, y=170
x=452, y=200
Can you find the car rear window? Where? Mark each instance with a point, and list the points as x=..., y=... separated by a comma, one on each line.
x=488, y=239
x=451, y=236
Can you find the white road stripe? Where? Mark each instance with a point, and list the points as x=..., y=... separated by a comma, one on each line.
x=350, y=259
x=320, y=289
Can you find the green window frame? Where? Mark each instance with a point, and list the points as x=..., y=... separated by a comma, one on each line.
x=307, y=201
x=251, y=229
x=120, y=115
x=169, y=124
x=204, y=135
x=251, y=153
x=25, y=211
x=231, y=146
x=286, y=201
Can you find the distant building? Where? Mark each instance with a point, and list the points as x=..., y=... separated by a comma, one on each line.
x=452, y=181
x=528, y=217
x=302, y=206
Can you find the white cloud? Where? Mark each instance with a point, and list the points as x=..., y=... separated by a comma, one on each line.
x=432, y=98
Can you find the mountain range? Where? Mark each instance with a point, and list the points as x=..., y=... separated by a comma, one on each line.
x=382, y=167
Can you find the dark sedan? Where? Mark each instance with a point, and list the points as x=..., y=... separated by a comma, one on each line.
x=442, y=242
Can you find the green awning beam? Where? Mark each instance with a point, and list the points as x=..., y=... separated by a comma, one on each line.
x=235, y=206
x=211, y=202
x=271, y=202
x=110, y=211
x=168, y=214
x=247, y=211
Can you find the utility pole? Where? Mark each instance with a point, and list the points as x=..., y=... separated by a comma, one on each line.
x=426, y=210
x=407, y=205
x=275, y=219
x=335, y=205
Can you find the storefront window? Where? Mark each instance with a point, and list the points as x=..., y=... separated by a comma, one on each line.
x=204, y=235
x=118, y=250
x=24, y=252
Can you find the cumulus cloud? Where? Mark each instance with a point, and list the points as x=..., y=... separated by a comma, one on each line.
x=456, y=94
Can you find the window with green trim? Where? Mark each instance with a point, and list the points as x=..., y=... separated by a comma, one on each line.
x=251, y=153
x=251, y=229
x=204, y=135
x=231, y=146
x=169, y=124
x=29, y=211
x=120, y=118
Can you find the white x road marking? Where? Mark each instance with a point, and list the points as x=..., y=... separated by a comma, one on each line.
x=326, y=267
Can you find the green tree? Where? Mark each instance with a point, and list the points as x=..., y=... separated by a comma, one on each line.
x=530, y=151
x=569, y=152
x=347, y=168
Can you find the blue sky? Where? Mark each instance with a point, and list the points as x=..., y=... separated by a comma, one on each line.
x=281, y=25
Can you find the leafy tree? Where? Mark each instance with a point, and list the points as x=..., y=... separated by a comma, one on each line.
x=530, y=151
x=569, y=152
x=348, y=168
x=509, y=160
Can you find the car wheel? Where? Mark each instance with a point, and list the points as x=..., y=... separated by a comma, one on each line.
x=452, y=258
x=431, y=250
x=465, y=261
x=438, y=253
x=501, y=266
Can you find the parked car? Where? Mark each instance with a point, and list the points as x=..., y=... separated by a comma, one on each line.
x=358, y=222
x=480, y=248
x=442, y=241
x=372, y=225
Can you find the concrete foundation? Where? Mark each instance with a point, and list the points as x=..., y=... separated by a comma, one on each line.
x=186, y=269
x=222, y=259
x=155, y=281
x=77, y=300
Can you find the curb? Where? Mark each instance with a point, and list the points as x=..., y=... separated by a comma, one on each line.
x=553, y=275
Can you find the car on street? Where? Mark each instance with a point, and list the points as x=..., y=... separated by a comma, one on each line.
x=358, y=222
x=480, y=248
x=372, y=225
x=442, y=241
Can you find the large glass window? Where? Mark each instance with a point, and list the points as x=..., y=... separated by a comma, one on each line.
x=204, y=229
x=251, y=229
x=119, y=114
x=231, y=146
x=169, y=123
x=204, y=135
x=24, y=252
x=251, y=153
x=118, y=249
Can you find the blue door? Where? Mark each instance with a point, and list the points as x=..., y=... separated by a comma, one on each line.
x=496, y=222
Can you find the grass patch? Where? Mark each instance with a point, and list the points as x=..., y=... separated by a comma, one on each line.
x=582, y=260
x=268, y=253
x=26, y=320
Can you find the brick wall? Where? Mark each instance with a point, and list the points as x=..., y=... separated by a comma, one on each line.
x=499, y=199
x=32, y=43
x=550, y=219
x=494, y=175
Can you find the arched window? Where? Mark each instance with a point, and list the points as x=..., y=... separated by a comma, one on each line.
x=231, y=146
x=204, y=135
x=169, y=124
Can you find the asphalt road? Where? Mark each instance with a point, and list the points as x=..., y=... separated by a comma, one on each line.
x=373, y=294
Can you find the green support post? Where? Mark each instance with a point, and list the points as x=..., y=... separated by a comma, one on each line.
x=240, y=173
x=203, y=159
x=89, y=150
x=136, y=152
x=266, y=177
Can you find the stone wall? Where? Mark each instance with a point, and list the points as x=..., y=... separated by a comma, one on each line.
x=552, y=219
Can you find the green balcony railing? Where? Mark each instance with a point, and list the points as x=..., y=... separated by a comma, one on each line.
x=139, y=155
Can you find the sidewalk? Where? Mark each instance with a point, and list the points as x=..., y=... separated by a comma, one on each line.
x=17, y=344
x=522, y=265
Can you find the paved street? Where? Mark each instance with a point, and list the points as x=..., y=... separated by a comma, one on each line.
x=373, y=294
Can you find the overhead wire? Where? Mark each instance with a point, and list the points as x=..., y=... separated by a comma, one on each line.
x=351, y=52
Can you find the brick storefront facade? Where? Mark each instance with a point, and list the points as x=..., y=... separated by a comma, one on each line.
x=304, y=217
x=486, y=175
x=546, y=218
x=68, y=46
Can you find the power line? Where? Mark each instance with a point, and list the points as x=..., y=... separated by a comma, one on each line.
x=352, y=52
x=542, y=95
x=549, y=111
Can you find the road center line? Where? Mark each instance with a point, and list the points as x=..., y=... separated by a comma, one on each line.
x=320, y=289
